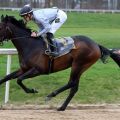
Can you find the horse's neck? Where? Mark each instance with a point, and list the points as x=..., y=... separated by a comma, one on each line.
x=25, y=44
x=19, y=39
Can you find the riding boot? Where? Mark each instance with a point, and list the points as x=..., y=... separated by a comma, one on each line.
x=52, y=50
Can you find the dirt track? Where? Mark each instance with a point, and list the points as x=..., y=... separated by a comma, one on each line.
x=88, y=113
x=95, y=114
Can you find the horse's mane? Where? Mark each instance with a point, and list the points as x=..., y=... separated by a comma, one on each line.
x=14, y=21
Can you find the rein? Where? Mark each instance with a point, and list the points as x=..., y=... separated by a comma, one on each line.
x=8, y=28
x=1, y=43
x=21, y=37
x=30, y=37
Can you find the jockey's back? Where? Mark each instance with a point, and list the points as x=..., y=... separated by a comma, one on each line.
x=46, y=14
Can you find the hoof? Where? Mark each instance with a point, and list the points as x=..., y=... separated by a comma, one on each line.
x=35, y=91
x=61, y=109
x=48, y=99
x=31, y=91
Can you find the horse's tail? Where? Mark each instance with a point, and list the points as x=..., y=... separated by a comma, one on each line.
x=105, y=53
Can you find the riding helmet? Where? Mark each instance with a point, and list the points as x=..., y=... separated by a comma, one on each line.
x=25, y=10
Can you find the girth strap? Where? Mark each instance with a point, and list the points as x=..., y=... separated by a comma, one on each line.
x=51, y=64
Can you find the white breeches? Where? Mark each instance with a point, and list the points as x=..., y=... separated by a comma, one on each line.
x=56, y=25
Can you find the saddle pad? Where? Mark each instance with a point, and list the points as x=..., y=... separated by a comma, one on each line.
x=64, y=45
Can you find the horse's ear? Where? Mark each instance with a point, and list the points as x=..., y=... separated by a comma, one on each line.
x=2, y=17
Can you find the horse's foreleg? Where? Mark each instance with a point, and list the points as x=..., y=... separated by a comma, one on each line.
x=30, y=73
x=10, y=76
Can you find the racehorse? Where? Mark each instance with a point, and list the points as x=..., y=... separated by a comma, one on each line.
x=33, y=61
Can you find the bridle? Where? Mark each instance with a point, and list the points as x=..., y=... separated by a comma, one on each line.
x=10, y=31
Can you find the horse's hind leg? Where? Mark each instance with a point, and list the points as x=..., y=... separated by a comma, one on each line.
x=69, y=85
x=75, y=75
x=73, y=84
x=30, y=73
x=12, y=75
x=72, y=93
x=58, y=91
x=77, y=70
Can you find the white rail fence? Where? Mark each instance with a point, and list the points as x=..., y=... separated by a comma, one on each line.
x=9, y=53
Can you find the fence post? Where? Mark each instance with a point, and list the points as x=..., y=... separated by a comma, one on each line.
x=8, y=83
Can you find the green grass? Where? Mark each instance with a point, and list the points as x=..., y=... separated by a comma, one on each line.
x=93, y=20
x=100, y=84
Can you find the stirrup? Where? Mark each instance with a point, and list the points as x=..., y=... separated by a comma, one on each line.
x=47, y=52
x=54, y=54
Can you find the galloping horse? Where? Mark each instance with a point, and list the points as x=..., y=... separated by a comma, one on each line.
x=33, y=61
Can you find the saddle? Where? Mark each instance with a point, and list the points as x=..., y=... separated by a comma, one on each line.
x=63, y=45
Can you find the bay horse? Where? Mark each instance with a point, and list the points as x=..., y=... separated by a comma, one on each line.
x=33, y=61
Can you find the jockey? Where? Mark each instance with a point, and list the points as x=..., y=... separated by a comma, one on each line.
x=49, y=20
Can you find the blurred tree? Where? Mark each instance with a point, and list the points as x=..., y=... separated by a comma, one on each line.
x=70, y=4
x=20, y=3
x=60, y=3
x=118, y=7
x=48, y=3
x=95, y=4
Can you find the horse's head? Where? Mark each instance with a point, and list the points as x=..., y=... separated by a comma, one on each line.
x=5, y=32
x=8, y=25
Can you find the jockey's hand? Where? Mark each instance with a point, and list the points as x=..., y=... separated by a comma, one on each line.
x=34, y=34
